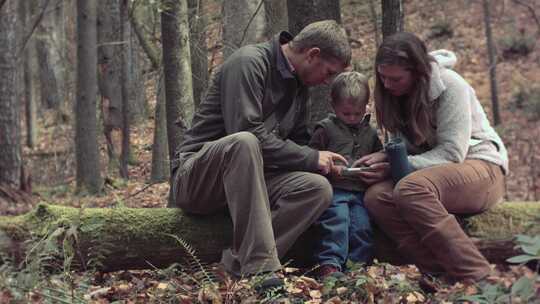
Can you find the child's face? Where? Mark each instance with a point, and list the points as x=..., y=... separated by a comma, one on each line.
x=349, y=111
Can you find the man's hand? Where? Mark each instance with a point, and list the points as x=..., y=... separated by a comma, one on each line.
x=326, y=161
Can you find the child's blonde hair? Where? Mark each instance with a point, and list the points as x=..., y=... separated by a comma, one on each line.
x=349, y=86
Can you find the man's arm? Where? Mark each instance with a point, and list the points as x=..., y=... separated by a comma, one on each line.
x=242, y=91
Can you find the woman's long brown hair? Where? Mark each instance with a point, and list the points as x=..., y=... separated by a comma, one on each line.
x=412, y=114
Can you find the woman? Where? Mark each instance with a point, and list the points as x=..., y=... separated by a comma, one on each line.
x=459, y=161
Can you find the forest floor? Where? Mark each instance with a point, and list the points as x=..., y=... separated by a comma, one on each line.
x=454, y=25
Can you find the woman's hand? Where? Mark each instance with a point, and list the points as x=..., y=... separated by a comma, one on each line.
x=370, y=159
x=378, y=167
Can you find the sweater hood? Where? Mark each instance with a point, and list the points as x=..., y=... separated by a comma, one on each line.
x=443, y=59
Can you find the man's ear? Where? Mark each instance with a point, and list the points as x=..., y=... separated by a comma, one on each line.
x=313, y=53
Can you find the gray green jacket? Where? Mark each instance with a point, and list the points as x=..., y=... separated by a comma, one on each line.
x=462, y=129
x=254, y=90
x=352, y=142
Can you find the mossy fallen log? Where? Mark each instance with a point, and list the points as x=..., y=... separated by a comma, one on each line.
x=135, y=238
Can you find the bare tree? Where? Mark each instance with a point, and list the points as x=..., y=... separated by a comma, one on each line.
x=160, y=168
x=50, y=44
x=199, y=51
x=392, y=17
x=10, y=146
x=276, y=17
x=29, y=87
x=243, y=23
x=491, y=49
x=177, y=71
x=302, y=13
x=110, y=49
x=86, y=144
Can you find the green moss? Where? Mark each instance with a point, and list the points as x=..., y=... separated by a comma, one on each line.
x=506, y=220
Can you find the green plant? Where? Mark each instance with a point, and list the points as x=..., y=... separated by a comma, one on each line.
x=517, y=45
x=530, y=245
x=441, y=29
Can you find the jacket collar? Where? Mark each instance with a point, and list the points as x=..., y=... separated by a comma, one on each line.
x=281, y=62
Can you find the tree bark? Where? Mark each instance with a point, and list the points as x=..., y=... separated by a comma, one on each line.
x=177, y=71
x=302, y=13
x=110, y=51
x=86, y=144
x=126, y=86
x=10, y=145
x=491, y=49
x=135, y=238
x=160, y=161
x=276, y=17
x=199, y=51
x=50, y=43
x=243, y=23
x=392, y=17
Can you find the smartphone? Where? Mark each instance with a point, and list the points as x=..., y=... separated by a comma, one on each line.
x=352, y=171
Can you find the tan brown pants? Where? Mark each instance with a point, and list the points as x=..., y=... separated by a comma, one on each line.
x=418, y=215
x=268, y=210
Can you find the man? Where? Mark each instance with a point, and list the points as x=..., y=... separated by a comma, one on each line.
x=246, y=148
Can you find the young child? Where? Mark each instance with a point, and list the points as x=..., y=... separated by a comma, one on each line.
x=345, y=230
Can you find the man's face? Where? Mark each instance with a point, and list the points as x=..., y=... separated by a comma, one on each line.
x=318, y=70
x=351, y=112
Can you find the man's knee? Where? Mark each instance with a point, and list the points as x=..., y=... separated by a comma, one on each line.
x=245, y=140
x=320, y=187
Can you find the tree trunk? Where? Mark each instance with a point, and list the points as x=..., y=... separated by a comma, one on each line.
x=135, y=238
x=138, y=106
x=110, y=74
x=392, y=17
x=276, y=17
x=29, y=87
x=375, y=22
x=199, y=51
x=177, y=71
x=160, y=161
x=491, y=49
x=302, y=13
x=50, y=41
x=86, y=144
x=125, y=84
x=10, y=145
x=243, y=23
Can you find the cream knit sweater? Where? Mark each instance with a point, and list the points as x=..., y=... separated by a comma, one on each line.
x=463, y=130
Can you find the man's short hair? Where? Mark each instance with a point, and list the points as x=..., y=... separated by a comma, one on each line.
x=350, y=86
x=328, y=36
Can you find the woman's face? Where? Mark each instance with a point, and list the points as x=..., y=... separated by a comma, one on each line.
x=396, y=79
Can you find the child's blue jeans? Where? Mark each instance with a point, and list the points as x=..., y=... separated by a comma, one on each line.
x=344, y=231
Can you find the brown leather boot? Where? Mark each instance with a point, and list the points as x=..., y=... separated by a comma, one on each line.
x=454, y=251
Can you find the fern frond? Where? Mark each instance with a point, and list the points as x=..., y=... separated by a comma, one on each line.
x=196, y=263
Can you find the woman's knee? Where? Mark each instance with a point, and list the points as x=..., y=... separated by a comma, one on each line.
x=413, y=190
x=375, y=195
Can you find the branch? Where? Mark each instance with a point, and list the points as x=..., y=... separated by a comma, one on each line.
x=249, y=22
x=151, y=51
x=34, y=26
x=531, y=10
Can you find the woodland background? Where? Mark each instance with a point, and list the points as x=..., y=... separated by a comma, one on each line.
x=89, y=114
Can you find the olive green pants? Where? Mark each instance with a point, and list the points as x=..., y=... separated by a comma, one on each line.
x=268, y=210
x=418, y=214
